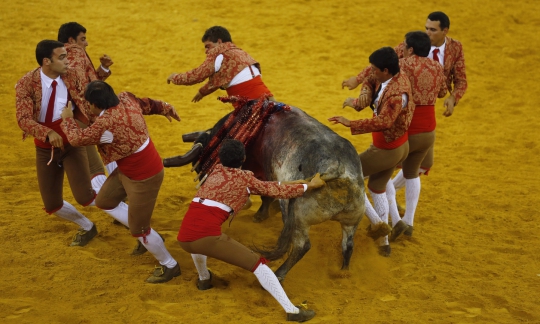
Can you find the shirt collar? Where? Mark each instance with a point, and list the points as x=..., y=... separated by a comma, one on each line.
x=441, y=48
x=46, y=80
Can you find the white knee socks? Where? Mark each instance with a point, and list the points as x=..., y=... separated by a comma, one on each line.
x=270, y=282
x=68, y=212
x=120, y=213
x=157, y=248
x=380, y=203
x=371, y=213
x=200, y=264
x=392, y=204
x=399, y=180
x=98, y=181
x=412, y=194
x=110, y=167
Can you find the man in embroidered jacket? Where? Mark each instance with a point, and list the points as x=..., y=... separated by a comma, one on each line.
x=226, y=66
x=449, y=55
x=40, y=96
x=224, y=193
x=122, y=136
x=428, y=83
x=393, y=110
x=73, y=35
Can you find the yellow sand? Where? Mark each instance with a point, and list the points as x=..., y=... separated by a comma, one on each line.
x=474, y=254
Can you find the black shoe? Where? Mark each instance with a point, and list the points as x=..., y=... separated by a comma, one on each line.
x=83, y=237
x=385, y=250
x=302, y=316
x=191, y=137
x=408, y=232
x=205, y=284
x=379, y=230
x=163, y=274
x=400, y=227
x=140, y=248
x=187, y=158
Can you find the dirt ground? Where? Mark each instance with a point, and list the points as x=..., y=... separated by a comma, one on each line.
x=474, y=254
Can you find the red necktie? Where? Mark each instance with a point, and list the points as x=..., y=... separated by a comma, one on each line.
x=435, y=56
x=50, y=107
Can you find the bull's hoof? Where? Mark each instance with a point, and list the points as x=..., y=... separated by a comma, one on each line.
x=191, y=137
x=259, y=217
x=187, y=158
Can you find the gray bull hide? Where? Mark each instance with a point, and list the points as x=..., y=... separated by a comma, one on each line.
x=292, y=146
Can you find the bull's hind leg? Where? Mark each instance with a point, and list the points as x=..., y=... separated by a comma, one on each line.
x=300, y=246
x=347, y=243
x=264, y=211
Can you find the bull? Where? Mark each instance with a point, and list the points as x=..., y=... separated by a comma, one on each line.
x=293, y=145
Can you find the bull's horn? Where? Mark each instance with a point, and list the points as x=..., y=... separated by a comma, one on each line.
x=187, y=158
x=191, y=137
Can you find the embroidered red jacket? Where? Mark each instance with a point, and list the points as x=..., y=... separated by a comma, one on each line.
x=125, y=122
x=454, y=67
x=234, y=61
x=391, y=118
x=426, y=77
x=229, y=186
x=79, y=59
x=28, y=97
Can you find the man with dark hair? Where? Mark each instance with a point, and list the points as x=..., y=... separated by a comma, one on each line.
x=73, y=35
x=393, y=109
x=122, y=136
x=223, y=194
x=40, y=96
x=428, y=83
x=226, y=66
x=449, y=53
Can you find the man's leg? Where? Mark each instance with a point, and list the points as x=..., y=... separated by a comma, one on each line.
x=142, y=196
x=231, y=251
x=50, y=180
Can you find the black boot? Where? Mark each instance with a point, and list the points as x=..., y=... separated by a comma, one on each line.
x=187, y=158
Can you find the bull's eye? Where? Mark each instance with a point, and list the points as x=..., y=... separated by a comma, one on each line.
x=300, y=168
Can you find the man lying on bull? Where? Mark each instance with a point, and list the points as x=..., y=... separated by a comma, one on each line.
x=226, y=67
x=222, y=194
x=393, y=109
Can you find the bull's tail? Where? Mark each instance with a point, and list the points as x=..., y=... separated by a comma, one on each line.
x=284, y=242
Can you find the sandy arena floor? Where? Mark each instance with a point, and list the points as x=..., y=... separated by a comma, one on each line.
x=474, y=254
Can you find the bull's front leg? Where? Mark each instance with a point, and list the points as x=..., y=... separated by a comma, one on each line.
x=300, y=246
x=347, y=244
x=264, y=210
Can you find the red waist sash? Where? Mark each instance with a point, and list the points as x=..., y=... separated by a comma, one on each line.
x=252, y=89
x=141, y=165
x=380, y=142
x=55, y=126
x=423, y=120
